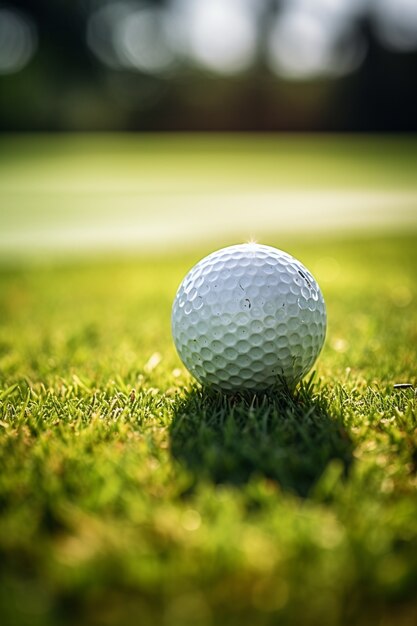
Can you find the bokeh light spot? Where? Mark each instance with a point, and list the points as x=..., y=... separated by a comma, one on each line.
x=191, y=520
x=18, y=41
x=396, y=24
x=141, y=41
x=221, y=35
x=100, y=31
x=304, y=44
x=125, y=35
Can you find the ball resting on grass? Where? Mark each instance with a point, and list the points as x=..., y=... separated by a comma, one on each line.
x=247, y=318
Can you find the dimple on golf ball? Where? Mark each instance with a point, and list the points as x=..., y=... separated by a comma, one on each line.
x=248, y=317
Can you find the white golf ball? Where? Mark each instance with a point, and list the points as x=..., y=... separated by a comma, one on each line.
x=248, y=317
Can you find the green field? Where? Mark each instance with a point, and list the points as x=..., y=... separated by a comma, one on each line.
x=153, y=193
x=130, y=495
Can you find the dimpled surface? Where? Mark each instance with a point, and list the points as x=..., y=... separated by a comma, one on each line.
x=248, y=317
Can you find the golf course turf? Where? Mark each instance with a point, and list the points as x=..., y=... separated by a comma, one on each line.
x=129, y=494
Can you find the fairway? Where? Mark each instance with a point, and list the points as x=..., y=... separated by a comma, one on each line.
x=80, y=193
x=128, y=494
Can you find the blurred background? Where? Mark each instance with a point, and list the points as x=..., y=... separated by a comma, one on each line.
x=224, y=65
x=328, y=87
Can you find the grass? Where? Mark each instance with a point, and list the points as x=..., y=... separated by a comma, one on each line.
x=72, y=192
x=130, y=495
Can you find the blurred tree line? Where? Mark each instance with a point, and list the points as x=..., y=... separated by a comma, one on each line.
x=64, y=84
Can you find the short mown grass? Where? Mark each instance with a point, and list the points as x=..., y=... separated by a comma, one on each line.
x=128, y=494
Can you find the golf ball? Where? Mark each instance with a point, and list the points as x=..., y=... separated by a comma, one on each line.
x=248, y=317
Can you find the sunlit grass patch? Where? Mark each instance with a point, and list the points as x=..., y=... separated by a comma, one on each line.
x=128, y=493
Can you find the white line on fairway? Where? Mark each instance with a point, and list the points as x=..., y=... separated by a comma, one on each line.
x=158, y=222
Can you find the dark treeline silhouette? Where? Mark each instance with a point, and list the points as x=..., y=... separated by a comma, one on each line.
x=65, y=87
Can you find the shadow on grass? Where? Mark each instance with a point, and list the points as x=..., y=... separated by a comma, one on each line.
x=283, y=436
